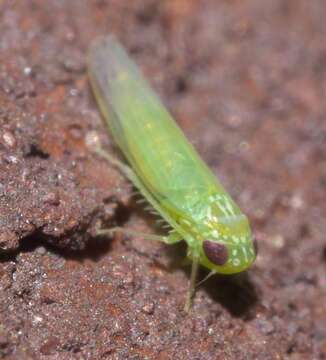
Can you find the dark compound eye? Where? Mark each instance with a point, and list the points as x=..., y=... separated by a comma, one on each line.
x=216, y=253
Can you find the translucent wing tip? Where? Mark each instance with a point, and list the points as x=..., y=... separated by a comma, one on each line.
x=103, y=42
x=105, y=54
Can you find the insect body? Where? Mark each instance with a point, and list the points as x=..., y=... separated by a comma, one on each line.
x=166, y=168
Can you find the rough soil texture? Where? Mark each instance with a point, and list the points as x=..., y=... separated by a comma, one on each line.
x=246, y=80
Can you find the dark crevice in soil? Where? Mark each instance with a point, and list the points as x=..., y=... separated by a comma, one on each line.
x=37, y=152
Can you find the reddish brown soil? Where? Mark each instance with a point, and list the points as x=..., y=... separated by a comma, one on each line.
x=246, y=80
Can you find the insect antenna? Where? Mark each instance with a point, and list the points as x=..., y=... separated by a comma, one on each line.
x=210, y=274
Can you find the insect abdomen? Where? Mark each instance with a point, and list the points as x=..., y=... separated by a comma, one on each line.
x=146, y=133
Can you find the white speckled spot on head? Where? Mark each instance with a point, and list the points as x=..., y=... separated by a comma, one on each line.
x=236, y=262
x=223, y=209
x=229, y=206
x=209, y=213
x=215, y=233
x=244, y=250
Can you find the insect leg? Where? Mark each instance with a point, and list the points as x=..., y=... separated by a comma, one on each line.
x=210, y=274
x=125, y=169
x=192, y=285
x=174, y=237
x=129, y=173
x=164, y=239
x=171, y=239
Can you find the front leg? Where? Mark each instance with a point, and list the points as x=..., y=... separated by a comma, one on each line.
x=192, y=285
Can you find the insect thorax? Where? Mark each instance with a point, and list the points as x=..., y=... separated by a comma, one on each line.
x=218, y=219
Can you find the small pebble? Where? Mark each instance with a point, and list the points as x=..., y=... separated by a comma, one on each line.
x=296, y=202
x=27, y=70
x=41, y=250
x=37, y=319
x=278, y=241
x=9, y=139
x=148, y=308
x=10, y=159
x=265, y=326
x=92, y=140
x=244, y=146
x=2, y=189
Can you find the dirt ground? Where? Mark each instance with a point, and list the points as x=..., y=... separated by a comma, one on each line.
x=246, y=80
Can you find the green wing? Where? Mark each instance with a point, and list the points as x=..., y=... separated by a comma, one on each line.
x=161, y=156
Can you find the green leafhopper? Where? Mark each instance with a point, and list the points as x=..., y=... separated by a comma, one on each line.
x=166, y=169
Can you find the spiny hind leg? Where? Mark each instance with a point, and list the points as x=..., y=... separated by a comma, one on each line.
x=173, y=237
x=94, y=144
x=124, y=168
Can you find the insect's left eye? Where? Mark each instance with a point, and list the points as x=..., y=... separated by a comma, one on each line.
x=216, y=252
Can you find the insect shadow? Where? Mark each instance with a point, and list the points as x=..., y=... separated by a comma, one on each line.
x=78, y=245
x=236, y=293
x=93, y=250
